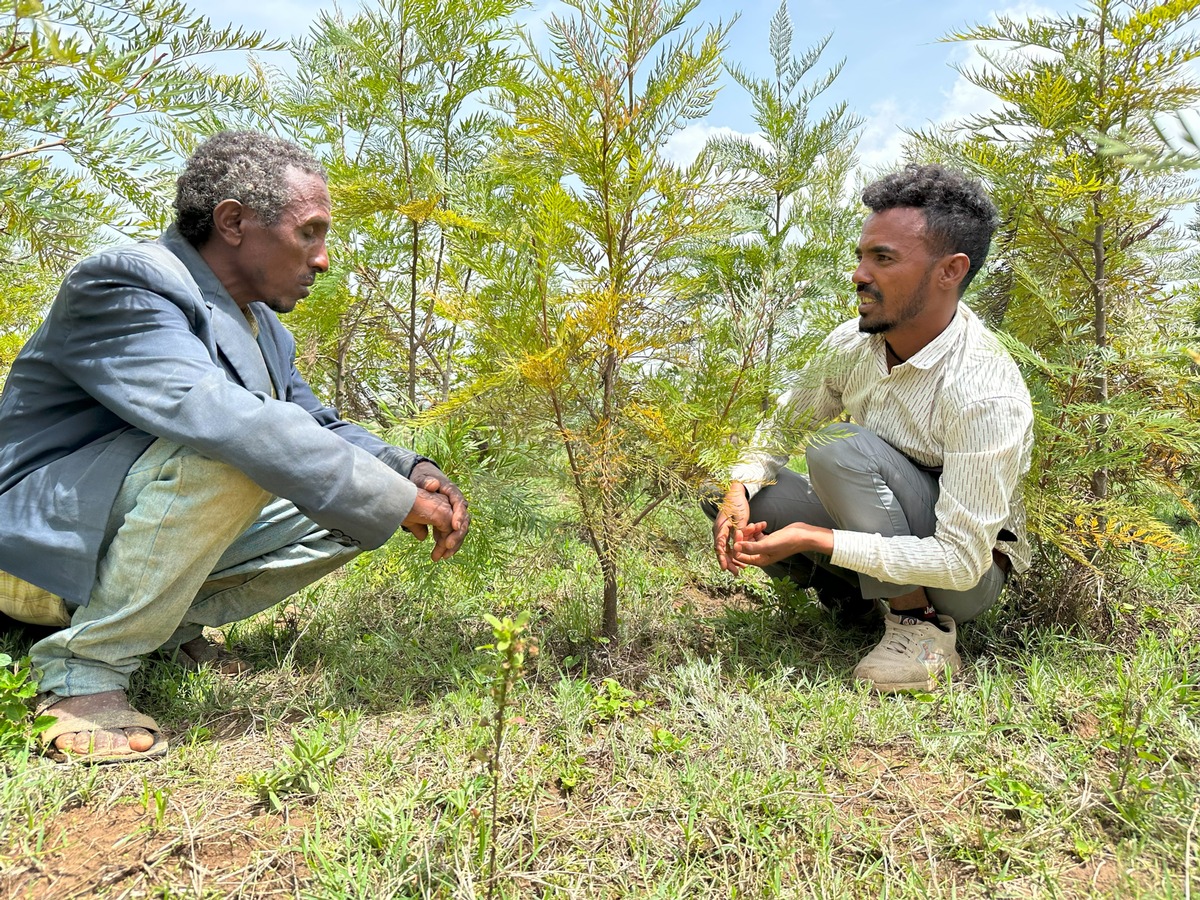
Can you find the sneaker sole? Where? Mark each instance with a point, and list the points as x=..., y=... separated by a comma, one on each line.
x=896, y=687
x=899, y=687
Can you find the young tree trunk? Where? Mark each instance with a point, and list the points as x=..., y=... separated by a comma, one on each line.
x=449, y=362
x=1100, y=379
x=766, y=403
x=608, y=568
x=412, y=320
x=1100, y=280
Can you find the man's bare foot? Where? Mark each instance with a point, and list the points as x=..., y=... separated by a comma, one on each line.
x=201, y=653
x=101, y=727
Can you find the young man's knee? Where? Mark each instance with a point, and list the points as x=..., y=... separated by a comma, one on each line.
x=965, y=606
x=839, y=447
x=223, y=485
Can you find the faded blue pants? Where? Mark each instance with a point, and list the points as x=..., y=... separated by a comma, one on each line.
x=190, y=542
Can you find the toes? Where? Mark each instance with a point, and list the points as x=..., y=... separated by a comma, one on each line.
x=102, y=727
x=90, y=741
x=106, y=740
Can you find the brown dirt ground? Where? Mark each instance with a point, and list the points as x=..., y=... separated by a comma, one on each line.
x=234, y=850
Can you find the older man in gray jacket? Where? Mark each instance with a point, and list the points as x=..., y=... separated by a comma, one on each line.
x=163, y=465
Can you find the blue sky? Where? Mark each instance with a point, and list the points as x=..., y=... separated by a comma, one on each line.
x=896, y=75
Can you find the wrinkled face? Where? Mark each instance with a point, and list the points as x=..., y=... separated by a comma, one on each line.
x=894, y=269
x=280, y=262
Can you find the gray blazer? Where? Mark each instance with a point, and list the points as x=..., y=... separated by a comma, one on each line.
x=143, y=342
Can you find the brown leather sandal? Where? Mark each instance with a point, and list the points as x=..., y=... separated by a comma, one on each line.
x=201, y=653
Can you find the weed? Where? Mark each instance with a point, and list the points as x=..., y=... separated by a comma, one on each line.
x=509, y=651
x=612, y=701
x=17, y=688
x=306, y=768
x=570, y=770
x=159, y=798
x=1128, y=739
x=663, y=741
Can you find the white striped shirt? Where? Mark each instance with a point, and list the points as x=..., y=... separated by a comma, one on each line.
x=959, y=405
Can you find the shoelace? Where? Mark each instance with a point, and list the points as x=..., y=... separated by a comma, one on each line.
x=896, y=639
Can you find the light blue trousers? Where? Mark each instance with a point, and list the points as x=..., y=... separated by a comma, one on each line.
x=858, y=482
x=190, y=542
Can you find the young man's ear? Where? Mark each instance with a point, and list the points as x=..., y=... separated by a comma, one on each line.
x=229, y=222
x=954, y=269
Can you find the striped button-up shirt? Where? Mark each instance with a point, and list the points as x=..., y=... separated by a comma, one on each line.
x=959, y=405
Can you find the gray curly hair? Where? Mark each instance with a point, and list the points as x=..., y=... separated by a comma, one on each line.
x=247, y=166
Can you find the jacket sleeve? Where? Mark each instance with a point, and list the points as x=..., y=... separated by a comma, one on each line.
x=299, y=392
x=130, y=340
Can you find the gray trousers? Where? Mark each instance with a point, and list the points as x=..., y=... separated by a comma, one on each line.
x=858, y=482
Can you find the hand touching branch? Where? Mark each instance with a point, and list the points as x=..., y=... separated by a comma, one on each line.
x=733, y=516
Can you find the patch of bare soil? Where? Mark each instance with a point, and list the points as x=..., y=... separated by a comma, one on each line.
x=1085, y=724
x=1097, y=877
x=711, y=600
x=125, y=850
x=887, y=784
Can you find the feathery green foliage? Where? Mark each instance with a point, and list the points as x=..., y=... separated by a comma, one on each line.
x=95, y=98
x=776, y=275
x=1090, y=281
x=582, y=312
x=394, y=99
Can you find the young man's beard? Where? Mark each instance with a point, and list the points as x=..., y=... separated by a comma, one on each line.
x=909, y=310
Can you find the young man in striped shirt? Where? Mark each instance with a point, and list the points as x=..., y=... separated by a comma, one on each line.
x=916, y=501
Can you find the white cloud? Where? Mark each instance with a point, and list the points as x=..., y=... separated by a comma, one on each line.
x=881, y=140
x=535, y=21
x=278, y=18
x=965, y=99
x=685, y=145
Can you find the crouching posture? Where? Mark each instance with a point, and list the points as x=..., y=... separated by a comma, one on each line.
x=916, y=500
x=164, y=467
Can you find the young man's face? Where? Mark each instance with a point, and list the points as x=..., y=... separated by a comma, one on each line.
x=280, y=262
x=894, y=269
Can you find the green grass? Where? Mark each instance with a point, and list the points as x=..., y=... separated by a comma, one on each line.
x=728, y=755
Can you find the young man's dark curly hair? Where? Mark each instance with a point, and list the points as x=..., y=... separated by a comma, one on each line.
x=959, y=217
x=246, y=166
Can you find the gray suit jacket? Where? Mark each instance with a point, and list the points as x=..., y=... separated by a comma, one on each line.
x=143, y=342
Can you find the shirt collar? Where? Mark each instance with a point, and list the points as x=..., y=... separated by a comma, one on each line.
x=933, y=352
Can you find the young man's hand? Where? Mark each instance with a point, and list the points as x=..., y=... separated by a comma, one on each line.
x=733, y=516
x=755, y=547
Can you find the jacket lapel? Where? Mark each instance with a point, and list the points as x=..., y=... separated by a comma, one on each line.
x=231, y=332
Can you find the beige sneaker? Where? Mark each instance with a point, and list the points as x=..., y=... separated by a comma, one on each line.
x=911, y=657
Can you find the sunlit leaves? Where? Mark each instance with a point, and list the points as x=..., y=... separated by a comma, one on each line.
x=396, y=97
x=772, y=279
x=581, y=292
x=97, y=100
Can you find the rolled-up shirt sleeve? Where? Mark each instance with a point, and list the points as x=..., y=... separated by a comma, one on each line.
x=812, y=399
